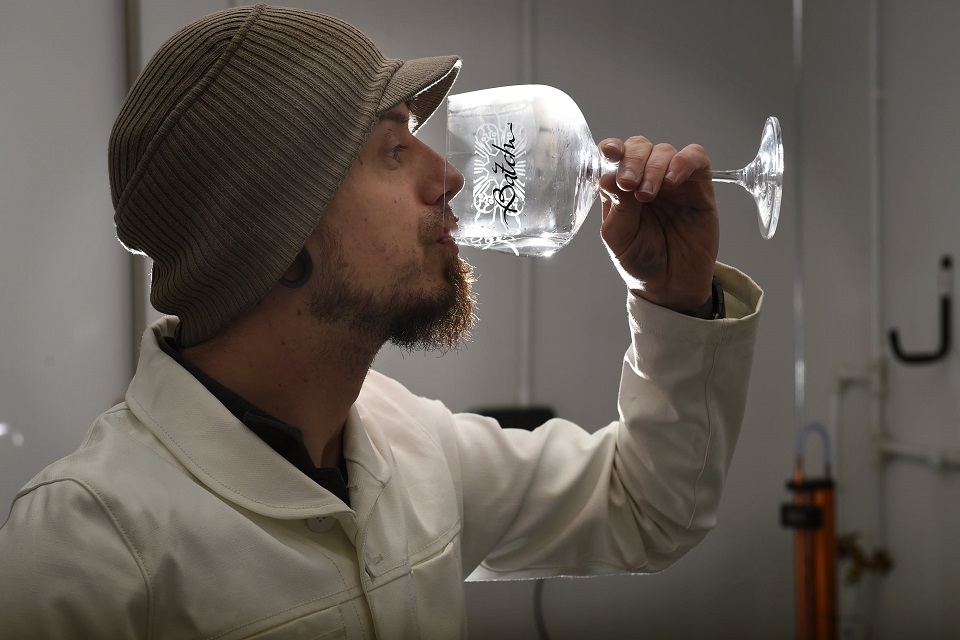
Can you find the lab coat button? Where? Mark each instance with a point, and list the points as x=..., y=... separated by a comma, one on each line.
x=320, y=525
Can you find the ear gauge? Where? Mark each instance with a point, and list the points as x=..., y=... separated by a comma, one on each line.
x=305, y=262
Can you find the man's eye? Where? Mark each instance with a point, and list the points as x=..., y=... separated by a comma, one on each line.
x=396, y=151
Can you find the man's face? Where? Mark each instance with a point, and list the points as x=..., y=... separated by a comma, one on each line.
x=385, y=260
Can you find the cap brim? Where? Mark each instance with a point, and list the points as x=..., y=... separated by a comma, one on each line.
x=422, y=83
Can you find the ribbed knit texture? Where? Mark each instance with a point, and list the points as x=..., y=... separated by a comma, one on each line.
x=232, y=142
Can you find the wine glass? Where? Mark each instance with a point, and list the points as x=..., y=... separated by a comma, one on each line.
x=532, y=170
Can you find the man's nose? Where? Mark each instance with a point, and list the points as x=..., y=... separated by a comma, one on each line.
x=453, y=180
x=447, y=180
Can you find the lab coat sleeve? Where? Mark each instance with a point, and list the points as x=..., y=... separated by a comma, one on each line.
x=68, y=570
x=635, y=495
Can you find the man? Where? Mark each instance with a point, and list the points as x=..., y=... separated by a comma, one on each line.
x=259, y=480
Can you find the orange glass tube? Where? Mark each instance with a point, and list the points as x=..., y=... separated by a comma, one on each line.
x=815, y=559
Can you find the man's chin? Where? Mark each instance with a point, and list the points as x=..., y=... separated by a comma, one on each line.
x=441, y=321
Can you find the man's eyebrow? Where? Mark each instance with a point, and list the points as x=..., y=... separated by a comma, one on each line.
x=405, y=118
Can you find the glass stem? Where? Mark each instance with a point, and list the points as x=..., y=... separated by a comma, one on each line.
x=733, y=177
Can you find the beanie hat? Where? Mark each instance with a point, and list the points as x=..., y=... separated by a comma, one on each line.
x=233, y=140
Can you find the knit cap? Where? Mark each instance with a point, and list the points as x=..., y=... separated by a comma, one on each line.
x=233, y=140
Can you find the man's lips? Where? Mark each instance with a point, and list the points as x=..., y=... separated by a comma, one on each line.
x=447, y=223
x=448, y=240
x=449, y=227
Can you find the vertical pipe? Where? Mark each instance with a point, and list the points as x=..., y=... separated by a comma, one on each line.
x=797, y=145
x=815, y=563
x=525, y=303
x=825, y=550
x=138, y=274
x=876, y=249
x=815, y=544
x=525, y=293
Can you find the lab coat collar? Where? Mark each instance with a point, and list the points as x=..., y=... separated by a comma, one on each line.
x=226, y=456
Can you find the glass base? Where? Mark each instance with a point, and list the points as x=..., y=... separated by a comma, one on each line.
x=541, y=246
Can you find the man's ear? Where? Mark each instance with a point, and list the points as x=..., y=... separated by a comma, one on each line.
x=299, y=272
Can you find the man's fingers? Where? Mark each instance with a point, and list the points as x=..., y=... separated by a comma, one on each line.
x=644, y=168
x=691, y=160
x=633, y=164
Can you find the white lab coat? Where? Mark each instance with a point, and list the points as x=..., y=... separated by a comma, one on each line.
x=173, y=520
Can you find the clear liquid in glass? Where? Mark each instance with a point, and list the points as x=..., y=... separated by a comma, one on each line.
x=530, y=167
x=532, y=170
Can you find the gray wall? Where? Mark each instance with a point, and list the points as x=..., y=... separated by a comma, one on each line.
x=64, y=283
x=874, y=228
x=700, y=71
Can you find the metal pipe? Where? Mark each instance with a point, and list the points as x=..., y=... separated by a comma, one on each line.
x=526, y=288
x=799, y=370
x=876, y=248
x=138, y=267
x=938, y=458
x=812, y=515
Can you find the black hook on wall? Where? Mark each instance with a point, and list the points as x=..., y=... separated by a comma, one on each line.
x=946, y=322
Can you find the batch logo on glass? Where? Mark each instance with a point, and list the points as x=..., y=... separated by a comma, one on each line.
x=500, y=171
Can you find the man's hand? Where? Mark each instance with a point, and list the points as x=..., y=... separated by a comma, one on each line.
x=661, y=227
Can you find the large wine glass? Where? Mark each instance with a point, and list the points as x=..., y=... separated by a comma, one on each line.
x=532, y=169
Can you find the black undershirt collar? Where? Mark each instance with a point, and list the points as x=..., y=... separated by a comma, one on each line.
x=283, y=438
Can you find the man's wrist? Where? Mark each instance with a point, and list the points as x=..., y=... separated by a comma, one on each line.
x=714, y=307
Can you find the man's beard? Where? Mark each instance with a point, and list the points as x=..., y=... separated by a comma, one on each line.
x=413, y=320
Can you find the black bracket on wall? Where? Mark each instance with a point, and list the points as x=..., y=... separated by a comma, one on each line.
x=946, y=322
